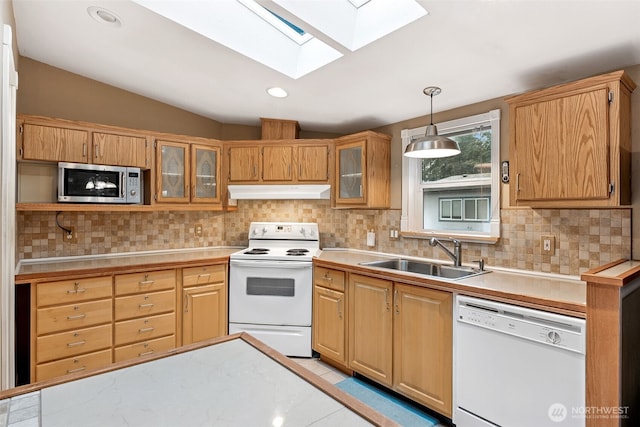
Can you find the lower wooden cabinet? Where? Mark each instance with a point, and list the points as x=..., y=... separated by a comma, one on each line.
x=73, y=326
x=329, y=314
x=399, y=335
x=91, y=322
x=73, y=364
x=204, y=303
x=144, y=348
x=144, y=310
x=371, y=327
x=422, y=345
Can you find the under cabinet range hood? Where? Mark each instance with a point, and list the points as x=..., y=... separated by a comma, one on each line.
x=282, y=192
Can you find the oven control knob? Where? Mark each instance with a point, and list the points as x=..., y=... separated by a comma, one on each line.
x=264, y=230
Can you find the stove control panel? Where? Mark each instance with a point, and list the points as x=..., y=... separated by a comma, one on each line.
x=283, y=231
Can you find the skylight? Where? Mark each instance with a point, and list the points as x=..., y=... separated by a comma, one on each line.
x=355, y=23
x=279, y=40
x=290, y=30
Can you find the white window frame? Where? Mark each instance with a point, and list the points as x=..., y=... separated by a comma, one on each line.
x=411, y=220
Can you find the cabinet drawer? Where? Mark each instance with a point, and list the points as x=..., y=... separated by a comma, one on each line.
x=145, y=328
x=202, y=275
x=73, y=316
x=143, y=348
x=146, y=304
x=328, y=278
x=70, y=291
x=82, y=363
x=145, y=282
x=72, y=343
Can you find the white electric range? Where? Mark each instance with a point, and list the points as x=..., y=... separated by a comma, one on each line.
x=271, y=285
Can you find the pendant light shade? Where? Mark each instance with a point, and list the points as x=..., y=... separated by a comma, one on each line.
x=432, y=145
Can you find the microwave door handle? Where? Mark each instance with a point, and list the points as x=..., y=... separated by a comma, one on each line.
x=123, y=191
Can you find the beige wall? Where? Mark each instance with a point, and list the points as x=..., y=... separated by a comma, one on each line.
x=49, y=91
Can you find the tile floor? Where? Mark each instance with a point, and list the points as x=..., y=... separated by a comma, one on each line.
x=322, y=369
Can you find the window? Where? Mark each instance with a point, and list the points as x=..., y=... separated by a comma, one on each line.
x=455, y=196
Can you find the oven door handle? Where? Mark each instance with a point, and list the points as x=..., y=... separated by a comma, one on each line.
x=272, y=264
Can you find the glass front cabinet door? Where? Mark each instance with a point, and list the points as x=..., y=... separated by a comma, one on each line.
x=172, y=163
x=351, y=169
x=205, y=172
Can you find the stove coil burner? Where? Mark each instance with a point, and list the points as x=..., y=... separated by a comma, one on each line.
x=297, y=252
x=257, y=251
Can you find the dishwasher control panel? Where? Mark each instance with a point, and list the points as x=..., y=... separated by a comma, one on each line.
x=534, y=325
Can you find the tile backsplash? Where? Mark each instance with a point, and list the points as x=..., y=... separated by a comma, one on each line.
x=584, y=238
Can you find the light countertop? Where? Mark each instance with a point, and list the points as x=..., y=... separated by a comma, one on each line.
x=39, y=268
x=560, y=294
x=229, y=383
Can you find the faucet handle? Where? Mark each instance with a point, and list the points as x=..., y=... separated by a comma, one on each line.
x=480, y=264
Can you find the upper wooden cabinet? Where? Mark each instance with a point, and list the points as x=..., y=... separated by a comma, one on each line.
x=279, y=129
x=115, y=149
x=187, y=173
x=281, y=162
x=57, y=140
x=363, y=171
x=570, y=145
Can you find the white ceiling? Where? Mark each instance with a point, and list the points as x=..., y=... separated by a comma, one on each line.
x=474, y=50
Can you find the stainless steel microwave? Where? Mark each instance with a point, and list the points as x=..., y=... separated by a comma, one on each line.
x=83, y=183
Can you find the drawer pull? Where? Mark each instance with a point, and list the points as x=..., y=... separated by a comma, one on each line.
x=149, y=329
x=77, y=290
x=76, y=317
x=76, y=344
x=146, y=281
x=146, y=305
x=145, y=353
x=327, y=277
x=204, y=275
x=71, y=371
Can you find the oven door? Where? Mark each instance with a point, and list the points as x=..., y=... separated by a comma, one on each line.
x=270, y=292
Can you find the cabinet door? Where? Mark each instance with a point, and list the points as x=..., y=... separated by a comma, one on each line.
x=205, y=313
x=371, y=327
x=277, y=162
x=329, y=324
x=54, y=144
x=120, y=150
x=351, y=171
x=244, y=164
x=313, y=163
x=422, y=333
x=205, y=174
x=171, y=168
x=562, y=148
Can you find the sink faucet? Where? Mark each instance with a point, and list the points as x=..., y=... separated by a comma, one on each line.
x=455, y=255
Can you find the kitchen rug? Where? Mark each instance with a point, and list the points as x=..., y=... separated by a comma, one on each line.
x=392, y=407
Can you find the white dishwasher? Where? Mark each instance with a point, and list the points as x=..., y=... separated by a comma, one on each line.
x=517, y=367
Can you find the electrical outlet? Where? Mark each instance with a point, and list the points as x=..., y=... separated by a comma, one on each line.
x=71, y=236
x=548, y=244
x=197, y=230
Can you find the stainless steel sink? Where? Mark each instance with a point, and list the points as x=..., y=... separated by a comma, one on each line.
x=426, y=268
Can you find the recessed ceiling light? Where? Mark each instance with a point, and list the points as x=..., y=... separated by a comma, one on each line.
x=104, y=16
x=277, y=92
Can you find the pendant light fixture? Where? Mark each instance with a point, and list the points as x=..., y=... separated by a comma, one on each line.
x=432, y=145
